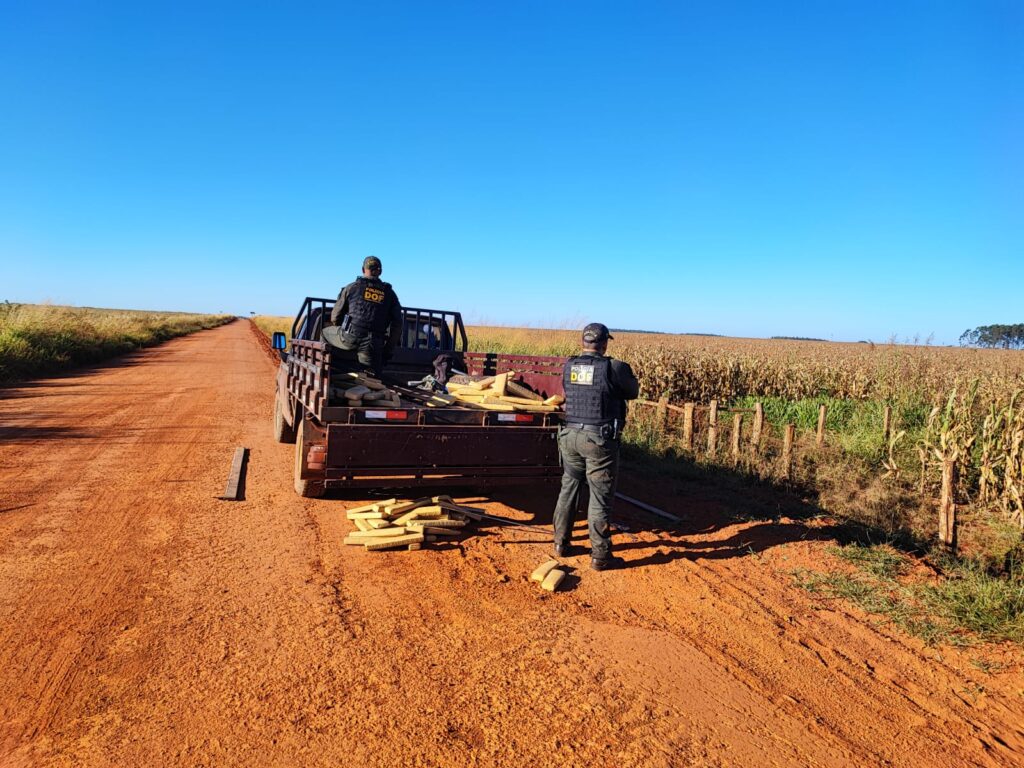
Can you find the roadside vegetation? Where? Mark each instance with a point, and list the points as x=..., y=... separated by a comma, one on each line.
x=38, y=339
x=270, y=324
x=954, y=601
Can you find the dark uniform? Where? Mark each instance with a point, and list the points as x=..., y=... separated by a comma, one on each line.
x=368, y=317
x=596, y=390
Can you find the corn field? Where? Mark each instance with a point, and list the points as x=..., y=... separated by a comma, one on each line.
x=986, y=442
x=704, y=368
x=974, y=399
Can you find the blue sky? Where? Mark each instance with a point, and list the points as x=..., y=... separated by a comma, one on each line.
x=846, y=170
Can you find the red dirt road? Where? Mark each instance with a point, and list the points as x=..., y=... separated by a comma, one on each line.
x=143, y=622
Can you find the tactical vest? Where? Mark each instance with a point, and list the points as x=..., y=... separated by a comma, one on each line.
x=589, y=398
x=369, y=305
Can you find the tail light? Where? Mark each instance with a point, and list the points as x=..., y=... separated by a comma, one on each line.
x=317, y=457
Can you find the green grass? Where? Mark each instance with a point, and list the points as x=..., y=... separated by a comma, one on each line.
x=882, y=562
x=854, y=425
x=36, y=340
x=903, y=613
x=968, y=603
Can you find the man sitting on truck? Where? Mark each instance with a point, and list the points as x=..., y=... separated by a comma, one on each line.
x=367, y=318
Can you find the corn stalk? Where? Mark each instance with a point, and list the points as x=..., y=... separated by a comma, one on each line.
x=889, y=463
x=950, y=432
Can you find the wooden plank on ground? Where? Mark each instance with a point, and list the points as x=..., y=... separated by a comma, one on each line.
x=236, y=477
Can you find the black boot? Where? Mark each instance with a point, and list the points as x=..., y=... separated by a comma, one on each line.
x=565, y=550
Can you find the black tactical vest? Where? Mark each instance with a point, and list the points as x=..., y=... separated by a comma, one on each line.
x=369, y=305
x=589, y=398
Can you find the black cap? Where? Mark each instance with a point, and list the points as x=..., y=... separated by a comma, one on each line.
x=595, y=333
x=371, y=262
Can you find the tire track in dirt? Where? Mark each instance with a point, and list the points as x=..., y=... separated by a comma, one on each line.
x=144, y=622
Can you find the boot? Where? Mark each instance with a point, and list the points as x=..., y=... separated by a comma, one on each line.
x=607, y=564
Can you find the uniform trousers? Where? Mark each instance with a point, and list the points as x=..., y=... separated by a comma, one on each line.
x=587, y=457
x=368, y=349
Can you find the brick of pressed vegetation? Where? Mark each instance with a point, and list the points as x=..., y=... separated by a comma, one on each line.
x=542, y=570
x=553, y=579
x=397, y=541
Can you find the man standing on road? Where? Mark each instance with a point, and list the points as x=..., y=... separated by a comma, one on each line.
x=367, y=318
x=596, y=390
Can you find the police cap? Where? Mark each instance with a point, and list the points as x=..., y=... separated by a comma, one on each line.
x=595, y=333
x=371, y=262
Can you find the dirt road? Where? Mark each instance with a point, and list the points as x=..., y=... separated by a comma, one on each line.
x=143, y=622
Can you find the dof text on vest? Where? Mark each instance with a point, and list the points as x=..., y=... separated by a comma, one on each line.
x=369, y=305
x=589, y=398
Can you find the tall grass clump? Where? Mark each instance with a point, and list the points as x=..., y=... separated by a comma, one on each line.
x=36, y=339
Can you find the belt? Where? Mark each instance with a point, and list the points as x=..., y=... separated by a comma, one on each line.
x=351, y=326
x=587, y=427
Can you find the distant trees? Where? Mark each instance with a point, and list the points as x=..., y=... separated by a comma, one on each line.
x=994, y=336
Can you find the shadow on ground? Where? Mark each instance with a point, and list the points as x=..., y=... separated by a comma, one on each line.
x=708, y=501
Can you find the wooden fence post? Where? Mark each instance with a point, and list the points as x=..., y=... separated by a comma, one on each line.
x=713, y=428
x=787, y=451
x=755, y=434
x=661, y=415
x=887, y=424
x=688, y=426
x=947, y=505
x=820, y=441
x=737, y=429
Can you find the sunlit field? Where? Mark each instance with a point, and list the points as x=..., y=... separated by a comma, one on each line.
x=37, y=339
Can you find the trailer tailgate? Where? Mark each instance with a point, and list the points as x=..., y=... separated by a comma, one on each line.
x=432, y=447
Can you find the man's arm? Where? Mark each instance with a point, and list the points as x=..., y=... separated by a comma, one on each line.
x=340, y=306
x=395, y=328
x=625, y=383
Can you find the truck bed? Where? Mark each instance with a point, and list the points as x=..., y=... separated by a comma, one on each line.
x=416, y=444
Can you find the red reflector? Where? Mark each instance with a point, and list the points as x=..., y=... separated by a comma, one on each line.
x=516, y=418
x=401, y=415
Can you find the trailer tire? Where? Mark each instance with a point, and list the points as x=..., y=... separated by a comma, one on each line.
x=283, y=433
x=307, y=487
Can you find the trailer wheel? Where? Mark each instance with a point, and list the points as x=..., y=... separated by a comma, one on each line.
x=307, y=487
x=282, y=432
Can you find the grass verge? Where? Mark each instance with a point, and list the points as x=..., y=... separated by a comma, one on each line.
x=269, y=324
x=37, y=340
x=965, y=604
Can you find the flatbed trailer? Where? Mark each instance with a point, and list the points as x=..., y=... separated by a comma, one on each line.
x=413, y=444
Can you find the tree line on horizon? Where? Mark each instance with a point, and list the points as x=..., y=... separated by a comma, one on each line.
x=996, y=336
